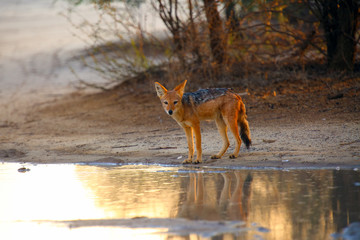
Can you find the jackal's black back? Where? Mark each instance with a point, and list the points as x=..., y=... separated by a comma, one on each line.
x=204, y=95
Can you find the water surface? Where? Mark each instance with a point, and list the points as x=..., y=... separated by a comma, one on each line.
x=162, y=202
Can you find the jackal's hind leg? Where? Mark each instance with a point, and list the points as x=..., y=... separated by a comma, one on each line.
x=234, y=128
x=190, y=141
x=223, y=133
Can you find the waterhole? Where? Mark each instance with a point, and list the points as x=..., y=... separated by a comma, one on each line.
x=71, y=201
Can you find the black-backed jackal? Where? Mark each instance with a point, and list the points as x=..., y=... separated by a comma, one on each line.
x=219, y=104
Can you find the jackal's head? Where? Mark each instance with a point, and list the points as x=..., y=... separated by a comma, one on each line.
x=171, y=100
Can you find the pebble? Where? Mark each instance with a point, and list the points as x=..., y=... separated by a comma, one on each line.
x=23, y=169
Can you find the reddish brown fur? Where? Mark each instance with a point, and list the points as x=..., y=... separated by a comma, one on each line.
x=226, y=108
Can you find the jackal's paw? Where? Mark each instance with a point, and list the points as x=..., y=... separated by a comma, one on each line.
x=215, y=157
x=187, y=161
x=197, y=161
x=232, y=156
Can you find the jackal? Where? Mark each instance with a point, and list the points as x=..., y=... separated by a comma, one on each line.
x=219, y=104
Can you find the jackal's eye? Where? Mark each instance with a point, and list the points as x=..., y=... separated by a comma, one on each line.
x=175, y=102
x=166, y=103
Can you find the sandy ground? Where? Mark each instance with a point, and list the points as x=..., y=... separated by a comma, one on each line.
x=42, y=119
x=296, y=128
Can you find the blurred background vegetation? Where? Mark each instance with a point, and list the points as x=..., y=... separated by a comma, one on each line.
x=220, y=42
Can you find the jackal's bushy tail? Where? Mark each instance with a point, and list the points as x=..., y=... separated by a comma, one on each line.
x=244, y=126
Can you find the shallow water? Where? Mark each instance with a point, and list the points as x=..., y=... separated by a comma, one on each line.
x=164, y=202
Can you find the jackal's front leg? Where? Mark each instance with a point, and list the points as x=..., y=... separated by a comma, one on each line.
x=190, y=141
x=198, y=143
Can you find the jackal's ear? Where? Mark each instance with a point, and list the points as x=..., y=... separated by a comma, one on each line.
x=181, y=88
x=160, y=90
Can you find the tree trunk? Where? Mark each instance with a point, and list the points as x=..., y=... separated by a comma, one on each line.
x=340, y=19
x=194, y=35
x=216, y=31
x=232, y=20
